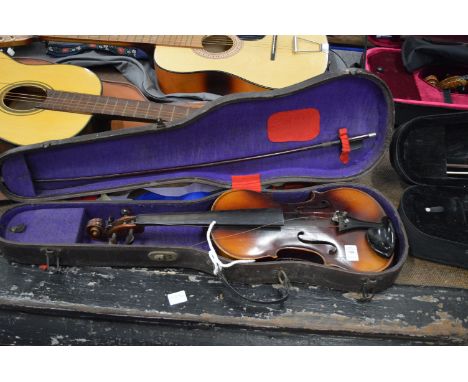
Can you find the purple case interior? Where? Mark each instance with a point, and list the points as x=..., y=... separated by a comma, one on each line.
x=235, y=126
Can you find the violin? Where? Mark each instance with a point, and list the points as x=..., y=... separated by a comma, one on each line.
x=343, y=227
x=448, y=83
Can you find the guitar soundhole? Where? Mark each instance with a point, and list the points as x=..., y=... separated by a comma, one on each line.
x=24, y=98
x=217, y=43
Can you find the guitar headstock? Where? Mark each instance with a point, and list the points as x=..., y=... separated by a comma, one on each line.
x=12, y=40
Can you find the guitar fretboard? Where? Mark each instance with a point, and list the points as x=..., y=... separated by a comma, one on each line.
x=113, y=107
x=184, y=41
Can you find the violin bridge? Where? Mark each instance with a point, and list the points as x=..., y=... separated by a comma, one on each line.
x=304, y=45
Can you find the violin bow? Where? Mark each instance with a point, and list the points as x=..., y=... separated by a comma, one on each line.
x=352, y=140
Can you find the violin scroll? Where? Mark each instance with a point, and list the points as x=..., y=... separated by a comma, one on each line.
x=113, y=229
x=448, y=83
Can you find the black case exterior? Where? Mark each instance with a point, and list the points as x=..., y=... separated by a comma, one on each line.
x=426, y=246
x=185, y=257
x=437, y=190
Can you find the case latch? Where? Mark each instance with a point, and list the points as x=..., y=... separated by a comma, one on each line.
x=165, y=256
x=367, y=290
x=52, y=255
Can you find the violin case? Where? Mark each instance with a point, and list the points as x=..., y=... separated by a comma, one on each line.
x=434, y=209
x=412, y=95
x=46, y=229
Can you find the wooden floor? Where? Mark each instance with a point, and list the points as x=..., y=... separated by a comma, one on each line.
x=104, y=306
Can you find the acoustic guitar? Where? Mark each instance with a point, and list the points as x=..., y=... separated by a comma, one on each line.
x=47, y=102
x=220, y=64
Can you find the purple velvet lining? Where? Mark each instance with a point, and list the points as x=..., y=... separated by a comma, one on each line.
x=66, y=221
x=231, y=131
x=18, y=176
x=46, y=225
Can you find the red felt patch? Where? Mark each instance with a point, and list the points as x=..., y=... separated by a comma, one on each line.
x=294, y=125
x=345, y=146
x=247, y=182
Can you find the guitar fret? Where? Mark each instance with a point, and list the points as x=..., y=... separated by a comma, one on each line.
x=172, y=115
x=71, y=97
x=107, y=101
x=92, y=104
x=147, y=110
x=115, y=105
x=136, y=111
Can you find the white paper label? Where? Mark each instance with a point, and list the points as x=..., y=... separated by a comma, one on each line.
x=351, y=253
x=11, y=52
x=177, y=297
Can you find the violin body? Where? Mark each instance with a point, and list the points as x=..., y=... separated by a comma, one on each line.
x=311, y=218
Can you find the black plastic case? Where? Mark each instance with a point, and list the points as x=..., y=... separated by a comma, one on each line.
x=435, y=209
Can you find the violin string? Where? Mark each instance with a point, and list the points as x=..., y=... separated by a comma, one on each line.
x=274, y=223
x=265, y=226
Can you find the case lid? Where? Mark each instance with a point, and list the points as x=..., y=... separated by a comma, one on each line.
x=266, y=136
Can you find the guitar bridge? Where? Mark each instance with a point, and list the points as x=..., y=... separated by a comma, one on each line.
x=308, y=46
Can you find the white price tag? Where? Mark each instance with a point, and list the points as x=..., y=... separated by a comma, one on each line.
x=177, y=297
x=351, y=253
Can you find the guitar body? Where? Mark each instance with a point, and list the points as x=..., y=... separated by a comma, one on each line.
x=236, y=65
x=23, y=126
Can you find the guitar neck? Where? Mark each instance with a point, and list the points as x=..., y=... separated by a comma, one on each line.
x=183, y=41
x=112, y=107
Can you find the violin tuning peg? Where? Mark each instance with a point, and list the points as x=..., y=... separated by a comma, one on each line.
x=125, y=212
x=95, y=228
x=130, y=237
x=113, y=239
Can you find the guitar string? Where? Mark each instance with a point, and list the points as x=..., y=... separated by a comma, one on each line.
x=223, y=40
x=254, y=46
x=89, y=103
x=212, y=41
x=250, y=44
x=161, y=113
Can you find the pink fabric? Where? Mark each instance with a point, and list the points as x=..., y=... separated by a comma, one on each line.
x=429, y=95
x=394, y=42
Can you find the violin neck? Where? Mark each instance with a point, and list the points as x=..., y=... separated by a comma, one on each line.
x=271, y=217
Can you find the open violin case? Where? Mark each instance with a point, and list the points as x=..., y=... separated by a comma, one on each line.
x=267, y=134
x=413, y=95
x=431, y=153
